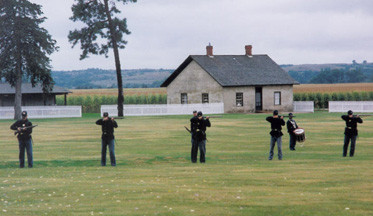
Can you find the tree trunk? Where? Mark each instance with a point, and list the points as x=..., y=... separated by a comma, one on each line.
x=18, y=93
x=117, y=60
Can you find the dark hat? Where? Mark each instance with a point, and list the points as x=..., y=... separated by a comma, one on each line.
x=24, y=113
x=350, y=112
x=290, y=114
x=275, y=112
x=106, y=114
x=199, y=114
x=194, y=111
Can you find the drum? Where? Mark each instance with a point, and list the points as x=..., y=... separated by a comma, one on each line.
x=300, y=135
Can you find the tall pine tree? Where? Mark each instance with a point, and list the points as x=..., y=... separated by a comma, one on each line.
x=24, y=47
x=101, y=23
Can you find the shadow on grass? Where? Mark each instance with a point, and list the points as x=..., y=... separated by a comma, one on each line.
x=96, y=162
x=57, y=163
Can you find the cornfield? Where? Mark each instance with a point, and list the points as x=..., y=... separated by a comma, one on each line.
x=328, y=88
x=321, y=100
x=114, y=92
x=92, y=104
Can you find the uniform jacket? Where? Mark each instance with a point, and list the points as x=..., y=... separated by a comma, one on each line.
x=291, y=125
x=198, y=128
x=24, y=135
x=107, y=128
x=351, y=125
x=276, y=126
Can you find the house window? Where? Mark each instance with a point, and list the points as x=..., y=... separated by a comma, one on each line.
x=184, y=98
x=239, y=99
x=205, y=98
x=277, y=98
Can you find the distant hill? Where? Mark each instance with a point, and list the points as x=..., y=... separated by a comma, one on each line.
x=98, y=78
x=331, y=73
x=153, y=78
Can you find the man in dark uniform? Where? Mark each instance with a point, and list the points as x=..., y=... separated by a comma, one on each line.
x=192, y=139
x=350, y=132
x=24, y=139
x=198, y=127
x=107, y=138
x=291, y=125
x=276, y=134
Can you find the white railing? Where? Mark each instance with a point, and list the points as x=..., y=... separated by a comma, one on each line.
x=303, y=106
x=43, y=112
x=164, y=109
x=356, y=106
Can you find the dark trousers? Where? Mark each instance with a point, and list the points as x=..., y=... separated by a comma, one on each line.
x=202, y=150
x=346, y=143
x=272, y=146
x=25, y=144
x=104, y=144
x=292, y=141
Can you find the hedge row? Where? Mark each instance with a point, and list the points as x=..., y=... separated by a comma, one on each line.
x=321, y=100
x=92, y=104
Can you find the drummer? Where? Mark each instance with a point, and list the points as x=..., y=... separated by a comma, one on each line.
x=292, y=126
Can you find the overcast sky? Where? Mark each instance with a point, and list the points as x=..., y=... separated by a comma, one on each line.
x=165, y=32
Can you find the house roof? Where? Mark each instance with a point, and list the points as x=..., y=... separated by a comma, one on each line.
x=27, y=88
x=238, y=70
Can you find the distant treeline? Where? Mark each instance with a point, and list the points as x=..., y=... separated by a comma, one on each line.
x=351, y=73
x=321, y=100
x=92, y=104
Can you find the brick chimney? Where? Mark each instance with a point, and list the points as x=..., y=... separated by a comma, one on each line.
x=209, y=50
x=248, y=50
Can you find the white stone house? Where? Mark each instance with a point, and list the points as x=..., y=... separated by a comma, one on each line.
x=244, y=83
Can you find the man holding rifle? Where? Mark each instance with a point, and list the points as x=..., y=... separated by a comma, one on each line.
x=107, y=139
x=276, y=126
x=350, y=132
x=23, y=128
x=198, y=130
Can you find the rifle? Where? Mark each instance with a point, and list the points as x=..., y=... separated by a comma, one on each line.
x=188, y=129
x=286, y=116
x=118, y=117
x=217, y=116
x=22, y=128
x=362, y=115
x=191, y=132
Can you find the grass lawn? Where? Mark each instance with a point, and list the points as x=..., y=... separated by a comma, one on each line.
x=154, y=175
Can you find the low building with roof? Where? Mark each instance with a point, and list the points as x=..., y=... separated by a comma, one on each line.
x=31, y=96
x=244, y=83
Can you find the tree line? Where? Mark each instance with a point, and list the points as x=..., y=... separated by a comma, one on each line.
x=353, y=73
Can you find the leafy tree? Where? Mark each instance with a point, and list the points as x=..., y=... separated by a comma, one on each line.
x=355, y=76
x=101, y=23
x=24, y=47
x=329, y=76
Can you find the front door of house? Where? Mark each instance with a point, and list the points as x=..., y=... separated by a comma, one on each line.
x=258, y=99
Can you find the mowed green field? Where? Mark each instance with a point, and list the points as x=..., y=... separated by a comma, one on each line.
x=154, y=175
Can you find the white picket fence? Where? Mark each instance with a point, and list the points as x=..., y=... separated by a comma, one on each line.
x=43, y=112
x=164, y=109
x=303, y=107
x=356, y=106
